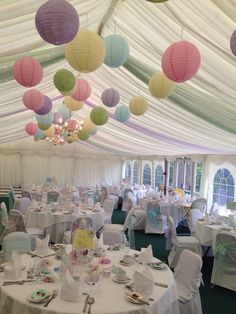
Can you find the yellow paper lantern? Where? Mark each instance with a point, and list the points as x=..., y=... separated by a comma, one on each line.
x=73, y=104
x=88, y=125
x=138, y=105
x=49, y=132
x=86, y=52
x=160, y=86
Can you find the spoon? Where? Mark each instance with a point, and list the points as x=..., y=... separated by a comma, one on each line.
x=90, y=302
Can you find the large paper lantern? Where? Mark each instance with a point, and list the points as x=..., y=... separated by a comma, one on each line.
x=64, y=81
x=82, y=90
x=122, y=113
x=45, y=119
x=46, y=108
x=50, y=131
x=31, y=128
x=86, y=52
x=233, y=43
x=82, y=135
x=27, y=71
x=72, y=125
x=72, y=104
x=39, y=135
x=110, y=97
x=33, y=99
x=88, y=125
x=117, y=51
x=43, y=126
x=57, y=22
x=138, y=105
x=160, y=86
x=65, y=112
x=99, y=115
x=181, y=61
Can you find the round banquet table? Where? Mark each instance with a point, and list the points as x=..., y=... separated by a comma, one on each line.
x=13, y=299
x=43, y=219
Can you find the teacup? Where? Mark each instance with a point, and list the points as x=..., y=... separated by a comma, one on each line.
x=121, y=275
x=127, y=259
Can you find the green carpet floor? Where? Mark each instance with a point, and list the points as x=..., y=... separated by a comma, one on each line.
x=215, y=300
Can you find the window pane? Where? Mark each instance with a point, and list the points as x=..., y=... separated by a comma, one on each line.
x=171, y=174
x=135, y=175
x=223, y=187
x=147, y=175
x=188, y=176
x=128, y=170
x=158, y=176
x=198, y=176
x=180, y=179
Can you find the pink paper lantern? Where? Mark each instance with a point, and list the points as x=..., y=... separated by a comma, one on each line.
x=110, y=97
x=46, y=108
x=31, y=128
x=181, y=61
x=71, y=125
x=57, y=22
x=27, y=71
x=82, y=90
x=233, y=42
x=33, y=99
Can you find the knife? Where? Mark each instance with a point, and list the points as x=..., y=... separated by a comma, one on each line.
x=163, y=285
x=85, y=304
x=17, y=282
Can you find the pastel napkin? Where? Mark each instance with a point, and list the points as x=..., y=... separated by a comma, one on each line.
x=42, y=245
x=70, y=289
x=146, y=255
x=143, y=281
x=12, y=269
x=15, y=260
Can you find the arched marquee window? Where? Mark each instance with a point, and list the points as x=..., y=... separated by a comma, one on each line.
x=147, y=175
x=223, y=187
x=127, y=170
x=158, y=176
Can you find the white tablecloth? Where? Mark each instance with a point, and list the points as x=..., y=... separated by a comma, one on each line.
x=13, y=299
x=207, y=233
x=45, y=218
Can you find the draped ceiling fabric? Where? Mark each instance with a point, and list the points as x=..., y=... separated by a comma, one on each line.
x=198, y=118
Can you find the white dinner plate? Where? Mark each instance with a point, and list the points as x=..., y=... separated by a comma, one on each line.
x=121, y=281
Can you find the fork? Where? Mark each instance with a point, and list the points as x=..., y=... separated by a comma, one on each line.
x=53, y=296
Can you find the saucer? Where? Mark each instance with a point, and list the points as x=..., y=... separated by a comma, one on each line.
x=124, y=263
x=159, y=266
x=115, y=279
x=39, y=296
x=134, y=297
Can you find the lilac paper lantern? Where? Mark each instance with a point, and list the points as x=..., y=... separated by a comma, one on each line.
x=58, y=118
x=57, y=22
x=110, y=97
x=47, y=106
x=233, y=43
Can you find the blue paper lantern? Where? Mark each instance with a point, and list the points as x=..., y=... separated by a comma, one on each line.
x=65, y=112
x=122, y=113
x=45, y=119
x=93, y=131
x=39, y=135
x=117, y=51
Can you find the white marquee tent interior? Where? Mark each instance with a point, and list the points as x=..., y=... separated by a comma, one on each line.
x=196, y=121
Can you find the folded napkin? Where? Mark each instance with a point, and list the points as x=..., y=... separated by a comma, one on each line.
x=15, y=260
x=12, y=269
x=144, y=281
x=42, y=245
x=70, y=289
x=207, y=219
x=146, y=255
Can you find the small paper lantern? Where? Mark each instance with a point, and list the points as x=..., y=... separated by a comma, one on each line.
x=46, y=108
x=138, y=105
x=110, y=97
x=27, y=71
x=160, y=86
x=45, y=119
x=88, y=125
x=65, y=112
x=99, y=115
x=82, y=90
x=117, y=51
x=50, y=131
x=72, y=104
x=93, y=131
x=31, y=128
x=64, y=80
x=39, y=135
x=86, y=52
x=82, y=135
x=181, y=61
x=233, y=42
x=57, y=118
x=122, y=113
x=57, y=22
x=43, y=126
x=72, y=125
x=33, y=99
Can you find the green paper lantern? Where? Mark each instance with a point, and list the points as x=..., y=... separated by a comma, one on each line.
x=82, y=135
x=64, y=81
x=99, y=115
x=43, y=126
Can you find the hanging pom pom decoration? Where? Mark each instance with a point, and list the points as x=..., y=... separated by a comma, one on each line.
x=64, y=81
x=31, y=128
x=181, y=61
x=27, y=71
x=117, y=51
x=122, y=113
x=99, y=115
x=46, y=108
x=33, y=99
x=160, y=86
x=82, y=90
x=57, y=22
x=138, y=105
x=110, y=97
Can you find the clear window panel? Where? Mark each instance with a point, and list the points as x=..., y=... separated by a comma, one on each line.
x=159, y=176
x=223, y=187
x=147, y=175
x=135, y=173
x=198, y=176
x=171, y=174
x=128, y=170
x=180, y=178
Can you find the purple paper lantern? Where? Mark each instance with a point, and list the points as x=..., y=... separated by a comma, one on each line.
x=110, y=97
x=47, y=106
x=233, y=43
x=57, y=22
x=58, y=118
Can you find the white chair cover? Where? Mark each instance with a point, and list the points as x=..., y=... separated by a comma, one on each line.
x=57, y=230
x=22, y=204
x=179, y=243
x=194, y=215
x=156, y=222
x=224, y=270
x=108, y=206
x=76, y=224
x=188, y=279
x=17, y=241
x=200, y=203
